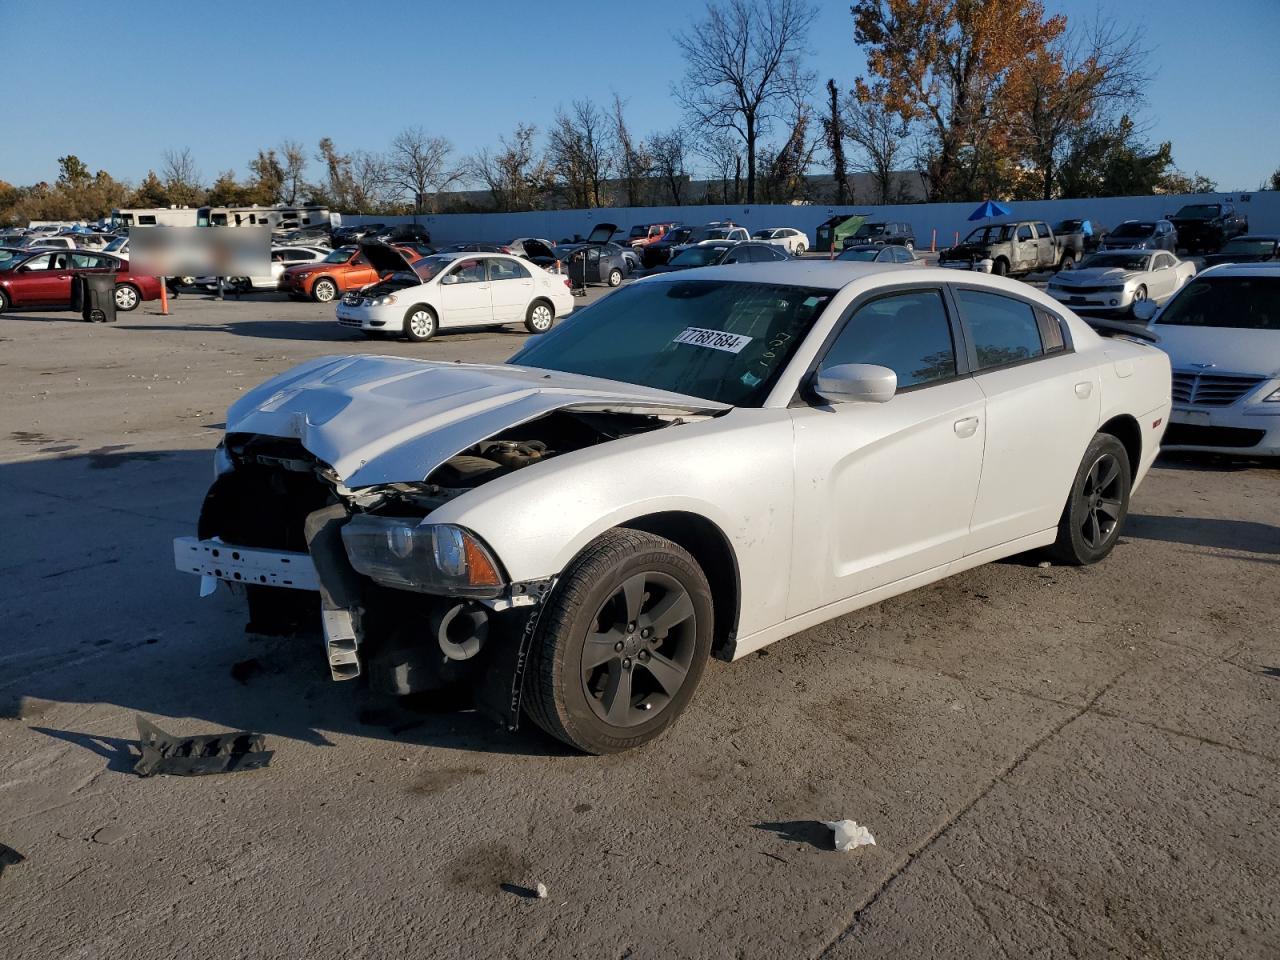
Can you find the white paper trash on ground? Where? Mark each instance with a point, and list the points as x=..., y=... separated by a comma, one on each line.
x=849, y=834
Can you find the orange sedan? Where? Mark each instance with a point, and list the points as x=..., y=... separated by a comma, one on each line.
x=323, y=281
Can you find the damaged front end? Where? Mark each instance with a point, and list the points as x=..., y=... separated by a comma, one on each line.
x=414, y=606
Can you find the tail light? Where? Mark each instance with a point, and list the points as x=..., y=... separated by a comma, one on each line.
x=567, y=283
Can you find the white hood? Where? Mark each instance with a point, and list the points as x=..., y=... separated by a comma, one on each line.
x=1229, y=349
x=385, y=419
x=1095, y=275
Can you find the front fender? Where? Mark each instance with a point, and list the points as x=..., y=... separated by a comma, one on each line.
x=735, y=471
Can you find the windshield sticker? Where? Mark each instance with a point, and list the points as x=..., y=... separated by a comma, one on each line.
x=751, y=380
x=715, y=339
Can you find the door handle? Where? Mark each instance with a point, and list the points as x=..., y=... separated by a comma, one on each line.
x=966, y=427
x=1084, y=389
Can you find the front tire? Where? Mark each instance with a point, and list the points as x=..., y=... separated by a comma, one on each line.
x=4, y=302
x=615, y=277
x=1097, y=506
x=420, y=323
x=539, y=317
x=1138, y=296
x=1000, y=267
x=324, y=291
x=622, y=643
x=127, y=297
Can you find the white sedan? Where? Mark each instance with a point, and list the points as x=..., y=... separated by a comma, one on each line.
x=454, y=290
x=1113, y=281
x=794, y=241
x=697, y=465
x=281, y=259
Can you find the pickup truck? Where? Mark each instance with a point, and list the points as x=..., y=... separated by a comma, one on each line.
x=1205, y=227
x=1015, y=249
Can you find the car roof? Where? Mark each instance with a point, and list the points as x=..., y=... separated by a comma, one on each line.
x=1271, y=269
x=834, y=274
x=474, y=254
x=1273, y=237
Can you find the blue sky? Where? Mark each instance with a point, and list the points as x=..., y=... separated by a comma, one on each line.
x=120, y=83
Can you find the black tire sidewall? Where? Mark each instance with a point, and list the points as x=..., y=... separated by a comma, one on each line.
x=612, y=273
x=569, y=615
x=315, y=290
x=435, y=323
x=137, y=297
x=1070, y=546
x=528, y=317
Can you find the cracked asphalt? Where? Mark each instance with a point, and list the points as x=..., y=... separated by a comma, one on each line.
x=1054, y=762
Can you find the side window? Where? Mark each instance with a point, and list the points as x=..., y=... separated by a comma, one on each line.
x=1042, y=230
x=501, y=269
x=470, y=271
x=901, y=255
x=146, y=220
x=1024, y=232
x=1050, y=331
x=86, y=261
x=906, y=332
x=44, y=262
x=1004, y=330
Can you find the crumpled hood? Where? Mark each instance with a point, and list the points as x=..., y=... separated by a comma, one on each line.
x=387, y=419
x=1254, y=352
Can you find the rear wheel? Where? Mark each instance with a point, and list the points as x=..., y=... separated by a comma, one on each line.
x=622, y=643
x=615, y=277
x=420, y=323
x=540, y=317
x=1099, y=502
x=4, y=302
x=127, y=297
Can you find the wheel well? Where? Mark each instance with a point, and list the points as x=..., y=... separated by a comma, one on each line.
x=710, y=548
x=551, y=305
x=1125, y=429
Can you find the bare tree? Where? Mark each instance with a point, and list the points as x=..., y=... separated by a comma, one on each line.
x=181, y=177
x=373, y=189
x=882, y=138
x=743, y=66
x=635, y=162
x=517, y=179
x=669, y=152
x=834, y=133
x=1089, y=76
x=418, y=164
x=295, y=170
x=724, y=161
x=578, y=148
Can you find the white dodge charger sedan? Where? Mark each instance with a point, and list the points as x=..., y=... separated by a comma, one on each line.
x=698, y=465
x=454, y=290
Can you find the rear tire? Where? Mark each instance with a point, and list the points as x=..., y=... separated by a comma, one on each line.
x=4, y=302
x=539, y=317
x=615, y=277
x=1097, y=506
x=622, y=643
x=127, y=297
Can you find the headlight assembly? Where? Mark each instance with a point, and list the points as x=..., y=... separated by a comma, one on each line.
x=389, y=299
x=425, y=557
x=1272, y=397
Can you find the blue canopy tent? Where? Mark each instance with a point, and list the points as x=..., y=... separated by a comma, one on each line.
x=989, y=209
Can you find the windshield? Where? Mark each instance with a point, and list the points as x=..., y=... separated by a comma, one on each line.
x=866, y=254
x=341, y=255
x=430, y=267
x=870, y=230
x=1198, y=211
x=707, y=233
x=1115, y=261
x=719, y=340
x=697, y=256
x=1242, y=246
x=639, y=232
x=1068, y=226
x=762, y=235
x=1246, y=303
x=992, y=234
x=1134, y=230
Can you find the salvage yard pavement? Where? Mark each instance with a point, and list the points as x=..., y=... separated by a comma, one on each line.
x=1054, y=762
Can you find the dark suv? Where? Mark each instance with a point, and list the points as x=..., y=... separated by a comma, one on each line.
x=1205, y=227
x=882, y=233
x=400, y=233
x=1141, y=235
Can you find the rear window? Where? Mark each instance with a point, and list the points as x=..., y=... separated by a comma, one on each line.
x=1243, y=303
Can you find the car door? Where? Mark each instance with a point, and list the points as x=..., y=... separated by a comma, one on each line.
x=359, y=272
x=888, y=488
x=1166, y=275
x=511, y=289
x=465, y=294
x=1042, y=401
x=44, y=279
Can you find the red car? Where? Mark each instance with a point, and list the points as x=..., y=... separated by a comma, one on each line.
x=43, y=279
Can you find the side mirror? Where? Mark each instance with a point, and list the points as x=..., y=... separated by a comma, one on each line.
x=856, y=383
x=1145, y=310
x=448, y=278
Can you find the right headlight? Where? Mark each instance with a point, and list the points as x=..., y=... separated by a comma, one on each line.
x=425, y=557
x=1272, y=397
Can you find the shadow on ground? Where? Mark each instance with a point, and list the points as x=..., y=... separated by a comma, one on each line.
x=1219, y=534
x=102, y=617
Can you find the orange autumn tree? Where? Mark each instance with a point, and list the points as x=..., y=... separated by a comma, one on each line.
x=956, y=70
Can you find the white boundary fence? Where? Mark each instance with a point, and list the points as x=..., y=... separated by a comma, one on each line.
x=947, y=219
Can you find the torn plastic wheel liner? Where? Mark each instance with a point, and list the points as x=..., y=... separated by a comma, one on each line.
x=196, y=756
